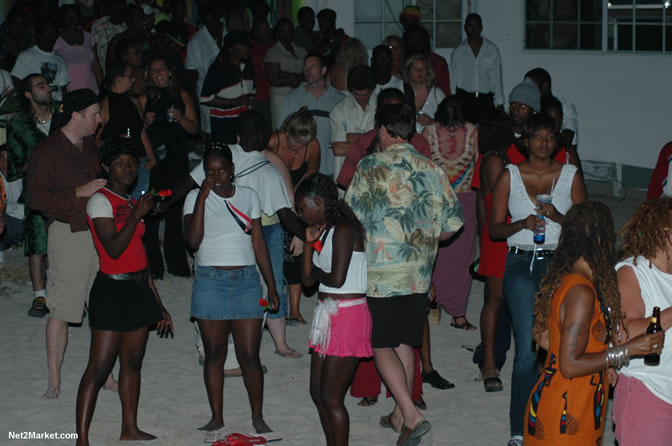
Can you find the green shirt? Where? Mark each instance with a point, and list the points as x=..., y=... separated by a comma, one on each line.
x=404, y=202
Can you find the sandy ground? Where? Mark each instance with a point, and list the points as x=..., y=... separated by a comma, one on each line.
x=173, y=401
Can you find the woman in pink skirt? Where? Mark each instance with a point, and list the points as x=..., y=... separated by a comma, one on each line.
x=341, y=331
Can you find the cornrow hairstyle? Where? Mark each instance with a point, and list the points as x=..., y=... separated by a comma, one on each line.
x=648, y=230
x=336, y=210
x=217, y=148
x=588, y=232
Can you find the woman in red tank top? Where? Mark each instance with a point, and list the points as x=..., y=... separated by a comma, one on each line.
x=124, y=301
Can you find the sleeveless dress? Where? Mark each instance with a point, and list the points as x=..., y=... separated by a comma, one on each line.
x=569, y=411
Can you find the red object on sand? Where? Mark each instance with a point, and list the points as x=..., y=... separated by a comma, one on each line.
x=239, y=440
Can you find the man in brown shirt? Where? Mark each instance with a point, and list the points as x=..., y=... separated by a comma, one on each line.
x=61, y=177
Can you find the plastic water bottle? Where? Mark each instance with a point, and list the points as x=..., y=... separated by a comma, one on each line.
x=540, y=233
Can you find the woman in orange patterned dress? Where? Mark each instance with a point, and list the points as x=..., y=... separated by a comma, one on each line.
x=578, y=316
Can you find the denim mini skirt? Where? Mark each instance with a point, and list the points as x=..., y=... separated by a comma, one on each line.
x=226, y=294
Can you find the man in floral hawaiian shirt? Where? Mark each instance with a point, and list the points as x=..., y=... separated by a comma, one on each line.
x=406, y=205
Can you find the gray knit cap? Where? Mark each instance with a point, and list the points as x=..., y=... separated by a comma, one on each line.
x=526, y=93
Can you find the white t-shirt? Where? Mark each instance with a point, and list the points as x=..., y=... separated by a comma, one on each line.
x=254, y=171
x=50, y=65
x=394, y=82
x=227, y=232
x=202, y=50
x=434, y=98
x=349, y=117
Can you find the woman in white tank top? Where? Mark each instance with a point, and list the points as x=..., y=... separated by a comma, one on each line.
x=643, y=397
x=515, y=194
x=341, y=332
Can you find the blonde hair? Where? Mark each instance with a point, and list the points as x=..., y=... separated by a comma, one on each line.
x=300, y=125
x=408, y=64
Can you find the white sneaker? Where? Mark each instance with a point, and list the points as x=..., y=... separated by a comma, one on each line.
x=515, y=441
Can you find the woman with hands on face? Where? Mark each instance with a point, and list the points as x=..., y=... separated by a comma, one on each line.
x=515, y=194
x=341, y=331
x=124, y=301
x=579, y=318
x=222, y=223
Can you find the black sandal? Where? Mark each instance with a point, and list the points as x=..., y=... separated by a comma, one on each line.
x=492, y=383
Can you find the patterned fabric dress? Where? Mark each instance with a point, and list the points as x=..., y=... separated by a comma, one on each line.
x=569, y=411
x=456, y=152
x=22, y=138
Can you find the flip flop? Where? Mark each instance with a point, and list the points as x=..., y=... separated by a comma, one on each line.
x=410, y=436
x=368, y=401
x=464, y=325
x=437, y=381
x=237, y=439
x=386, y=422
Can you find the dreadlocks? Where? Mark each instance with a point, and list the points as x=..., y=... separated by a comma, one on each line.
x=648, y=230
x=588, y=232
x=335, y=209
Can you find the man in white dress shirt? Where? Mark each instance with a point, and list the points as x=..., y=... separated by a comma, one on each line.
x=476, y=72
x=354, y=115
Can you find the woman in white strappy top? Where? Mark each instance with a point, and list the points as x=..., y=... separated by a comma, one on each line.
x=515, y=194
x=341, y=331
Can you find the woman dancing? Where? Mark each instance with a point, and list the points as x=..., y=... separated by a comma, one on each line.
x=341, y=330
x=578, y=316
x=223, y=223
x=123, y=302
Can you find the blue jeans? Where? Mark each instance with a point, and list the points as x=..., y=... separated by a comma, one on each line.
x=274, y=236
x=520, y=286
x=142, y=184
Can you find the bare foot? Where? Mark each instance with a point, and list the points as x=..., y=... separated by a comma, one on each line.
x=260, y=426
x=111, y=384
x=136, y=435
x=212, y=425
x=52, y=393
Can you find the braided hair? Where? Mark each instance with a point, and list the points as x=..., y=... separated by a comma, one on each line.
x=588, y=232
x=336, y=210
x=648, y=230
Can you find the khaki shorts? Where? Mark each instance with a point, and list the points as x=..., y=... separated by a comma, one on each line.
x=73, y=264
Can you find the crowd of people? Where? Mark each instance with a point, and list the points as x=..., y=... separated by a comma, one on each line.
x=370, y=181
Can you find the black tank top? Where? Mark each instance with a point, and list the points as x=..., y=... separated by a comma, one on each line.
x=298, y=173
x=124, y=117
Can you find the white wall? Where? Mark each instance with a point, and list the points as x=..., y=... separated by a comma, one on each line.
x=624, y=100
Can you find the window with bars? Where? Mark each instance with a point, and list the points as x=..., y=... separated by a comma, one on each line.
x=609, y=25
x=376, y=19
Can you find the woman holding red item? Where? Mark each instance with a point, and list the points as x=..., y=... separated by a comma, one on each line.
x=341, y=331
x=123, y=302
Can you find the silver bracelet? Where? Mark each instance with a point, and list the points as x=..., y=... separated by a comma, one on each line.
x=618, y=356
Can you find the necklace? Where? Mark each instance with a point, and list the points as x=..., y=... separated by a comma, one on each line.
x=40, y=121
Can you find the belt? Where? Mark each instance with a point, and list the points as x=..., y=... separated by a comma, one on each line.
x=137, y=276
x=473, y=95
x=540, y=253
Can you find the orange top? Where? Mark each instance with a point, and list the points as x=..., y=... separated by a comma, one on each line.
x=569, y=411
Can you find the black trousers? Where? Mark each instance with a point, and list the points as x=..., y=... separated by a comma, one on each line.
x=164, y=176
x=476, y=108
